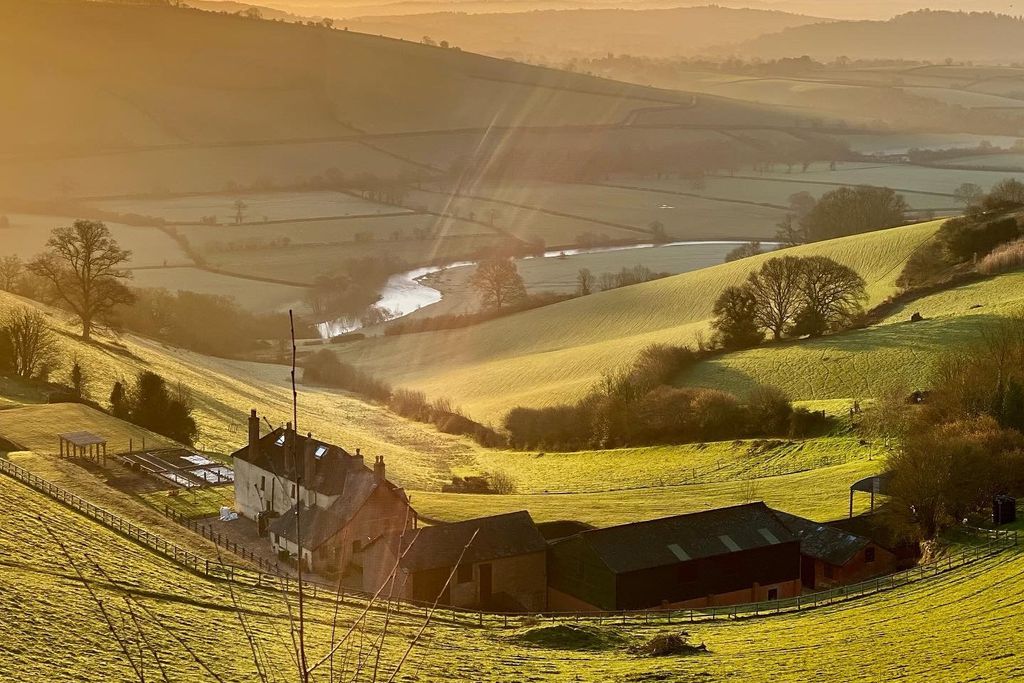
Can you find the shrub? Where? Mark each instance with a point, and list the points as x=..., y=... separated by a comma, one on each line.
x=323, y=367
x=1003, y=259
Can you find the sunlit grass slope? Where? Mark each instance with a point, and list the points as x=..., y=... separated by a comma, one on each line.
x=556, y=353
x=960, y=626
x=895, y=354
x=223, y=392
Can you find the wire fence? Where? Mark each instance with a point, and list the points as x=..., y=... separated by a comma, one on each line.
x=993, y=543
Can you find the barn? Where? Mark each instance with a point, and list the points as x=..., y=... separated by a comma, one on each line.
x=718, y=557
x=503, y=564
x=832, y=557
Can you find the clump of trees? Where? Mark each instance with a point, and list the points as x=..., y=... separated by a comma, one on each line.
x=638, y=406
x=840, y=212
x=965, y=443
x=150, y=403
x=789, y=296
x=82, y=269
x=745, y=250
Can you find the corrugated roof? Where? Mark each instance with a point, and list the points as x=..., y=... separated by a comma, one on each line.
x=823, y=542
x=666, y=541
x=507, y=535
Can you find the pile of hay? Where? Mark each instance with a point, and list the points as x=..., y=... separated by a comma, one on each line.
x=670, y=644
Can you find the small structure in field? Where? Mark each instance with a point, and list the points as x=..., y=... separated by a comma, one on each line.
x=503, y=564
x=832, y=557
x=181, y=467
x=83, y=445
x=318, y=502
x=719, y=557
x=874, y=485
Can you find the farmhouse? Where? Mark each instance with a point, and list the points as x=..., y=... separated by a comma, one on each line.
x=316, y=500
x=503, y=564
x=718, y=557
x=831, y=557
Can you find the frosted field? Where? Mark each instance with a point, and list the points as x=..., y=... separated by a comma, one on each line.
x=27, y=236
x=270, y=206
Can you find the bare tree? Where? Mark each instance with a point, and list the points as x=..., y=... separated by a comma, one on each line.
x=585, y=282
x=240, y=208
x=498, y=282
x=28, y=340
x=776, y=291
x=968, y=194
x=10, y=272
x=83, y=270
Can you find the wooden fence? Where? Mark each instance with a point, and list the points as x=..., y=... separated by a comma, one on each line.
x=993, y=543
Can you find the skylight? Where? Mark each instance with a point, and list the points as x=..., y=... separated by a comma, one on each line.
x=280, y=441
x=320, y=451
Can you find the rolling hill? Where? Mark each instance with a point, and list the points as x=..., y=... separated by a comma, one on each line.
x=553, y=35
x=982, y=37
x=556, y=353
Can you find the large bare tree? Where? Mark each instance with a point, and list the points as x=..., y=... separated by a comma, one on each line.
x=776, y=291
x=82, y=266
x=27, y=344
x=498, y=282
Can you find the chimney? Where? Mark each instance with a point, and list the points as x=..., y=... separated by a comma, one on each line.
x=358, y=456
x=309, y=462
x=378, y=468
x=254, y=435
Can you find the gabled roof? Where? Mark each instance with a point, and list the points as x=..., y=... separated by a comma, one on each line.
x=671, y=540
x=330, y=467
x=318, y=524
x=823, y=542
x=500, y=536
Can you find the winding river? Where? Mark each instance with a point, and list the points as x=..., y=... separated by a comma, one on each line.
x=405, y=293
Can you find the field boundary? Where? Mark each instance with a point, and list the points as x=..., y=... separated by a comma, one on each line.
x=995, y=543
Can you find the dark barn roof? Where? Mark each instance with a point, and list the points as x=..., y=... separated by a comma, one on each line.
x=440, y=546
x=330, y=467
x=823, y=542
x=671, y=540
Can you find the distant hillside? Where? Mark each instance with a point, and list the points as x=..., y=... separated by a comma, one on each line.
x=922, y=35
x=554, y=34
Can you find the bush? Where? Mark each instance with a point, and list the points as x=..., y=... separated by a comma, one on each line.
x=965, y=238
x=1003, y=259
x=323, y=367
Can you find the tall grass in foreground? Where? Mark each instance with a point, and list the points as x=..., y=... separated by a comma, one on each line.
x=1003, y=259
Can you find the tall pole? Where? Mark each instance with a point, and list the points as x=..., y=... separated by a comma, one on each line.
x=303, y=668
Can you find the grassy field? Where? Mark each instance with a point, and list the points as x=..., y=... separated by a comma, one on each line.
x=955, y=627
x=569, y=345
x=895, y=354
x=260, y=207
x=223, y=391
x=33, y=428
x=261, y=297
x=27, y=237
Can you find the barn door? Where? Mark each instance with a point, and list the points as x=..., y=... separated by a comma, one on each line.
x=485, y=584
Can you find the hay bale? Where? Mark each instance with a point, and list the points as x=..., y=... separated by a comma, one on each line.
x=670, y=645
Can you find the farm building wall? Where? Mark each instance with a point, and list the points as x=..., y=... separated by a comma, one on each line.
x=859, y=568
x=575, y=570
x=384, y=512
x=257, y=489
x=517, y=584
x=744, y=576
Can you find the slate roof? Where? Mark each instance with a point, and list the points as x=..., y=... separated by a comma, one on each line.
x=508, y=535
x=671, y=540
x=823, y=542
x=318, y=524
x=330, y=468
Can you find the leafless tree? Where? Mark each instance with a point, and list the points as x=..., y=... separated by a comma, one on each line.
x=498, y=282
x=28, y=339
x=776, y=291
x=11, y=268
x=82, y=268
x=585, y=282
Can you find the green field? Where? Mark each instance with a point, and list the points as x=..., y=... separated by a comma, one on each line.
x=261, y=297
x=895, y=354
x=954, y=627
x=556, y=353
